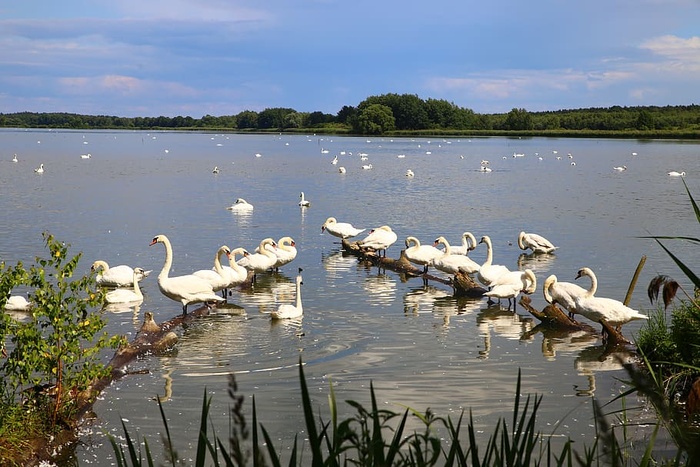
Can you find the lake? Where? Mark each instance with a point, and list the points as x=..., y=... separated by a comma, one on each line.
x=415, y=343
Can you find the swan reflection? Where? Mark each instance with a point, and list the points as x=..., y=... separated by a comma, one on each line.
x=537, y=262
x=596, y=359
x=380, y=289
x=561, y=340
x=336, y=262
x=503, y=322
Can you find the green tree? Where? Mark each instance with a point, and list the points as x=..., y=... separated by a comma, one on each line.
x=247, y=119
x=518, y=119
x=375, y=119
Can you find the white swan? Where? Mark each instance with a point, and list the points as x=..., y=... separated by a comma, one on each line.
x=673, y=173
x=451, y=263
x=335, y=160
x=117, y=276
x=287, y=311
x=286, y=251
x=485, y=169
x=468, y=244
x=563, y=293
x=132, y=295
x=379, y=239
x=340, y=229
x=303, y=201
x=489, y=272
x=236, y=273
x=217, y=277
x=535, y=242
x=409, y=173
x=421, y=254
x=341, y=170
x=597, y=309
x=620, y=168
x=215, y=170
x=367, y=167
x=17, y=303
x=526, y=282
x=240, y=205
x=184, y=289
x=40, y=169
x=14, y=158
x=261, y=261
x=86, y=156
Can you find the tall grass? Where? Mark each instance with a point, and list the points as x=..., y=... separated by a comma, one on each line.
x=377, y=437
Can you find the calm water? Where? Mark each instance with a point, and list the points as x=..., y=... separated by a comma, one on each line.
x=415, y=343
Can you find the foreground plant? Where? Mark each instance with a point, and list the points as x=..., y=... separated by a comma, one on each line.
x=53, y=351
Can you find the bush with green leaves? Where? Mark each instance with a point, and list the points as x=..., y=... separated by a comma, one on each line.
x=54, y=350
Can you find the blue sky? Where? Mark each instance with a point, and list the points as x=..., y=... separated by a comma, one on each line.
x=220, y=57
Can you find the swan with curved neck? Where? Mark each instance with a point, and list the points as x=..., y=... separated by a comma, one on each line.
x=453, y=263
x=340, y=229
x=217, y=277
x=468, y=244
x=421, y=254
x=489, y=272
x=236, y=273
x=598, y=309
x=285, y=252
x=537, y=243
x=184, y=289
x=261, y=261
x=117, y=276
x=132, y=295
x=563, y=293
x=287, y=311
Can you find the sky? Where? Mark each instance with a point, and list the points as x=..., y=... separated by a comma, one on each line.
x=152, y=58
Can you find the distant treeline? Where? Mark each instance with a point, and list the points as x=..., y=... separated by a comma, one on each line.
x=401, y=114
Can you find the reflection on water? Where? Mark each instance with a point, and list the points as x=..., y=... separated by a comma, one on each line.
x=597, y=359
x=359, y=324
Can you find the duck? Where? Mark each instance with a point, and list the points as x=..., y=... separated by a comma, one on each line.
x=287, y=311
x=286, y=251
x=379, y=239
x=421, y=254
x=468, y=244
x=185, y=289
x=40, y=169
x=451, y=263
x=303, y=201
x=340, y=229
x=673, y=173
x=132, y=295
x=217, y=277
x=261, y=261
x=489, y=272
x=117, y=276
x=240, y=205
x=535, y=242
x=563, y=293
x=17, y=303
x=525, y=282
x=598, y=309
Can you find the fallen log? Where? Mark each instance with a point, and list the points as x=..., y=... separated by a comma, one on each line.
x=462, y=284
x=151, y=338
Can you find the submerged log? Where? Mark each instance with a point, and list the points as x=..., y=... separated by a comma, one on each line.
x=462, y=284
x=151, y=338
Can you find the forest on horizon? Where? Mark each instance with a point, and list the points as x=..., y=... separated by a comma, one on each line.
x=394, y=114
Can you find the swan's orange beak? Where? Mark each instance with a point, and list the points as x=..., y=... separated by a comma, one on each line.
x=153, y=242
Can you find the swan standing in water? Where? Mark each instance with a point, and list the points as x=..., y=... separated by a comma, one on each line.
x=564, y=293
x=240, y=205
x=303, y=201
x=261, y=261
x=489, y=272
x=132, y=295
x=421, y=254
x=184, y=289
x=535, y=242
x=217, y=277
x=287, y=311
x=340, y=229
x=379, y=239
x=118, y=276
x=451, y=263
x=597, y=309
x=286, y=251
x=520, y=281
x=236, y=273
